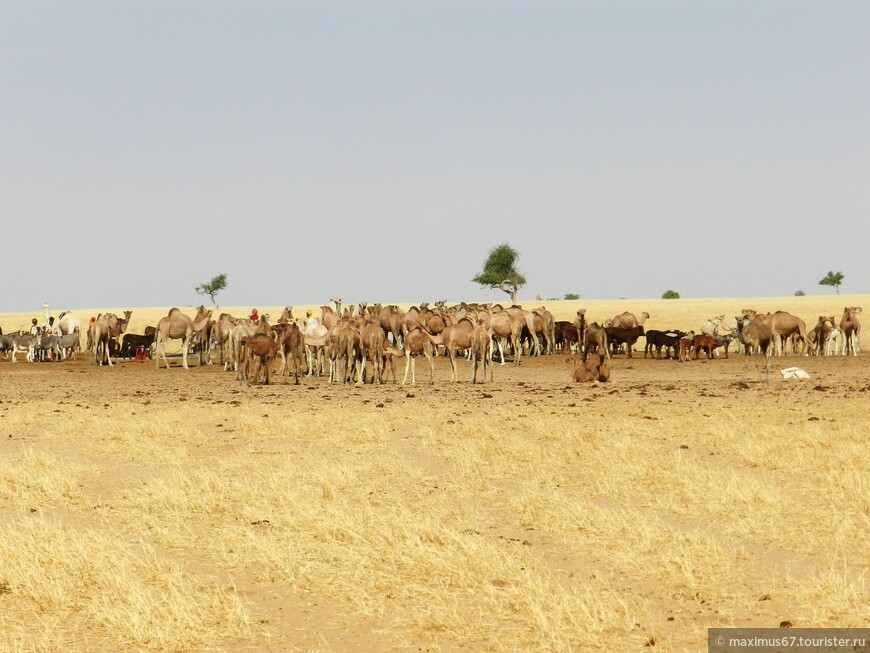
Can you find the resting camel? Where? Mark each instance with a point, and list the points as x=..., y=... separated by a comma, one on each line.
x=594, y=369
x=850, y=325
x=107, y=326
x=176, y=325
x=755, y=334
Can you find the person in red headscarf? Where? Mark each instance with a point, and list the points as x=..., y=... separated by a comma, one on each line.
x=254, y=316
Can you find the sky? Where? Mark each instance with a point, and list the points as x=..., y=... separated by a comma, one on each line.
x=378, y=150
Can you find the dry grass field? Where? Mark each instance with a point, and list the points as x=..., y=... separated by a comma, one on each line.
x=173, y=510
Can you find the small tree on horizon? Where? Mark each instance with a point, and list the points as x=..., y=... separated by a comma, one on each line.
x=799, y=293
x=572, y=295
x=832, y=279
x=499, y=271
x=670, y=294
x=213, y=287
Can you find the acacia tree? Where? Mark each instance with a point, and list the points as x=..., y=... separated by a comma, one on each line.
x=499, y=271
x=213, y=287
x=832, y=279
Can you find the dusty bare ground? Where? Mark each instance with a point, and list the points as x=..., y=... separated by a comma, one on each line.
x=179, y=510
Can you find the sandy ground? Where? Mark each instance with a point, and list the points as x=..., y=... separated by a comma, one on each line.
x=647, y=453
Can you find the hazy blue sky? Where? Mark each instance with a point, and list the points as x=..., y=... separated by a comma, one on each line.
x=378, y=150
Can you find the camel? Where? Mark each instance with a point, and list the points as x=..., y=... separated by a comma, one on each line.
x=456, y=336
x=372, y=338
x=850, y=325
x=259, y=349
x=755, y=334
x=594, y=369
x=481, y=350
x=783, y=325
x=525, y=318
x=220, y=336
x=328, y=317
x=545, y=324
x=580, y=323
x=595, y=341
x=817, y=338
x=292, y=347
x=68, y=324
x=390, y=319
x=286, y=315
x=107, y=326
x=417, y=342
x=176, y=325
x=711, y=326
x=628, y=320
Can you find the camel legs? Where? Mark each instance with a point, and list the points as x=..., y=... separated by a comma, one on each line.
x=409, y=366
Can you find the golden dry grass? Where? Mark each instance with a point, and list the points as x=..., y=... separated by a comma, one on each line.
x=181, y=511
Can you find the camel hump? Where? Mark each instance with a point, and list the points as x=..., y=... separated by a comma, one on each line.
x=174, y=311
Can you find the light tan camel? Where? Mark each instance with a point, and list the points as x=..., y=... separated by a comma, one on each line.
x=481, y=351
x=580, y=324
x=525, y=319
x=504, y=328
x=755, y=335
x=456, y=336
x=628, y=320
x=545, y=325
x=390, y=319
x=850, y=325
x=328, y=317
x=176, y=325
x=782, y=325
x=286, y=315
x=107, y=326
x=417, y=342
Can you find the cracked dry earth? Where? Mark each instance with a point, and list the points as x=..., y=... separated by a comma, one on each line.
x=181, y=510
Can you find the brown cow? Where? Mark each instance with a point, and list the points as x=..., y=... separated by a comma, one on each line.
x=706, y=343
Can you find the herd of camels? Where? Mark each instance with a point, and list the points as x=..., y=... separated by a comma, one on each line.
x=359, y=343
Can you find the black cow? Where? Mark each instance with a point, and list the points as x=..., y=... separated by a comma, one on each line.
x=133, y=342
x=658, y=339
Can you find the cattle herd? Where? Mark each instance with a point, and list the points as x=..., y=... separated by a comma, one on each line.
x=359, y=344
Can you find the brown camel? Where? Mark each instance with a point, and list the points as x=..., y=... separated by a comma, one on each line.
x=817, y=338
x=372, y=338
x=292, y=350
x=755, y=335
x=390, y=319
x=107, y=326
x=594, y=369
x=176, y=325
x=782, y=325
x=850, y=325
x=595, y=341
x=259, y=349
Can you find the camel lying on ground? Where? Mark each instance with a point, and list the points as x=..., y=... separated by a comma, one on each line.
x=595, y=368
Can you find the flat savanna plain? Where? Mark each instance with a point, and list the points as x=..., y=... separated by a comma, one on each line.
x=179, y=510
